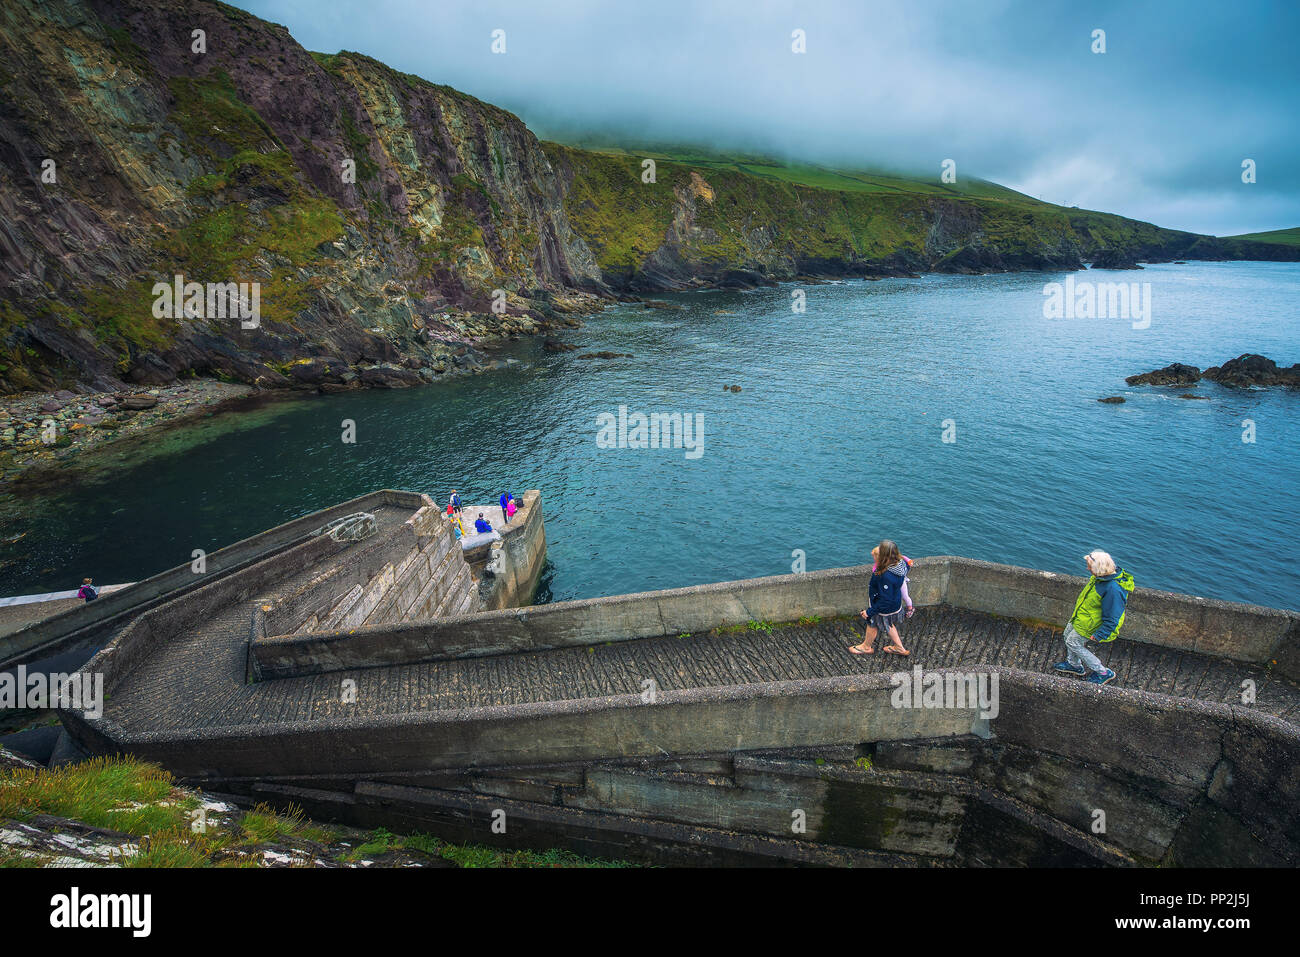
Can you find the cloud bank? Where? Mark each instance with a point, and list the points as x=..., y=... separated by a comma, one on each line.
x=1155, y=128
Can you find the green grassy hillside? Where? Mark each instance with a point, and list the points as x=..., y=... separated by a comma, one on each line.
x=817, y=176
x=708, y=216
x=1283, y=237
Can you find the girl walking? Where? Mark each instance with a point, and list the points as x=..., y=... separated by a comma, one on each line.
x=889, y=600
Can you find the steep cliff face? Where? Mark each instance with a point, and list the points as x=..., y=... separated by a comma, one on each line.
x=693, y=226
x=378, y=212
x=390, y=224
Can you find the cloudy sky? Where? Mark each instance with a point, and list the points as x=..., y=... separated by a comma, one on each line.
x=1155, y=128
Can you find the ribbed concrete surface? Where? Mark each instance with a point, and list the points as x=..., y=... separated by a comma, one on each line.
x=197, y=681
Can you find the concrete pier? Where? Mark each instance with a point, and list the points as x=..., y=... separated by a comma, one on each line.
x=690, y=724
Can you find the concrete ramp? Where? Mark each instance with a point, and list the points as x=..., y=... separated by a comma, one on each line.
x=727, y=716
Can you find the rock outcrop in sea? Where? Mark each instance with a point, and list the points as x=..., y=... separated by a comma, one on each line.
x=1115, y=258
x=1175, y=374
x=1252, y=370
x=1242, y=372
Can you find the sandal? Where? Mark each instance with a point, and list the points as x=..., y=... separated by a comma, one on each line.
x=891, y=650
x=859, y=650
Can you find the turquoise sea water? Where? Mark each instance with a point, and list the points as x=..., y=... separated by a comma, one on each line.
x=835, y=440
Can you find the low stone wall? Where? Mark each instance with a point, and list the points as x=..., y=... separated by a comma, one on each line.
x=1241, y=632
x=585, y=622
x=1225, y=629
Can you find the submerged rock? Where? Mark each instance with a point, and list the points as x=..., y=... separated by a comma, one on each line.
x=605, y=355
x=389, y=377
x=1113, y=399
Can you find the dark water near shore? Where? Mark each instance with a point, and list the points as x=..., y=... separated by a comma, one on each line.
x=834, y=442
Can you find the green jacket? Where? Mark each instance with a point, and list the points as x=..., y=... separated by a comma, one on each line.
x=1100, y=608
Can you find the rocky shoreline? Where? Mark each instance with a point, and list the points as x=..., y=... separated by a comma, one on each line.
x=44, y=434
x=45, y=431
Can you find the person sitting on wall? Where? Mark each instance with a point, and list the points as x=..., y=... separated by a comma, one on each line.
x=87, y=591
x=482, y=524
x=1098, y=616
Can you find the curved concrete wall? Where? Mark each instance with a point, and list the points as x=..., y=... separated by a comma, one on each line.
x=112, y=610
x=415, y=569
x=1206, y=783
x=1241, y=632
x=1180, y=781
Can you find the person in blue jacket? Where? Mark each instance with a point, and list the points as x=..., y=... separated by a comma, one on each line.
x=886, y=594
x=504, y=501
x=481, y=524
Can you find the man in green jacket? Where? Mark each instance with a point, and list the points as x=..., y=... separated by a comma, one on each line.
x=1098, y=615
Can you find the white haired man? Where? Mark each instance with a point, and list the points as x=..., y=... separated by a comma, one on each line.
x=1098, y=615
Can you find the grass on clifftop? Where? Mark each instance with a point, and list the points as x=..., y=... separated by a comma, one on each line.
x=759, y=208
x=1283, y=237
x=815, y=175
x=142, y=800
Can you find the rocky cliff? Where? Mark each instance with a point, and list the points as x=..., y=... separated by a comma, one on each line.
x=391, y=225
x=697, y=226
x=378, y=212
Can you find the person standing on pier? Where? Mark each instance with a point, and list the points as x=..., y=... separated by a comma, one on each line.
x=1098, y=615
x=886, y=589
x=454, y=502
x=504, y=502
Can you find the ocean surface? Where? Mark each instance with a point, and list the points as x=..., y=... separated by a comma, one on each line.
x=835, y=440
